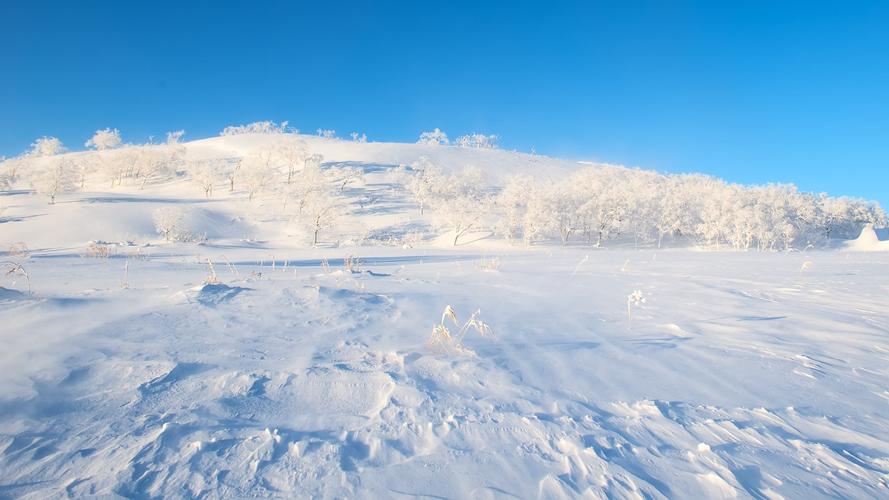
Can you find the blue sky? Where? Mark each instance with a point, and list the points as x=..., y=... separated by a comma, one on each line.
x=752, y=92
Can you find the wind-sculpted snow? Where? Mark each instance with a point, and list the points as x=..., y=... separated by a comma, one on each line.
x=741, y=375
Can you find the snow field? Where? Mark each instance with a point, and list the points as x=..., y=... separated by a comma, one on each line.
x=740, y=376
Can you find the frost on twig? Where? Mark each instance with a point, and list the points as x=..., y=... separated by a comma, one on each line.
x=634, y=299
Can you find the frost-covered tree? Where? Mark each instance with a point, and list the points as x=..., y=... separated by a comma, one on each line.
x=344, y=176
x=57, y=177
x=152, y=162
x=172, y=224
x=462, y=202
x=512, y=204
x=104, y=139
x=175, y=137
x=326, y=134
x=46, y=146
x=10, y=169
x=206, y=173
x=5, y=178
x=358, y=137
x=320, y=211
x=479, y=141
x=262, y=127
x=435, y=138
x=309, y=180
x=293, y=153
x=232, y=168
x=424, y=181
x=256, y=173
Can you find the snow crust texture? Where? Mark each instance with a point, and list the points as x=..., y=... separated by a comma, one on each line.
x=740, y=376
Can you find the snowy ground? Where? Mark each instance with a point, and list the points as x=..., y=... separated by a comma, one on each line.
x=761, y=375
x=740, y=375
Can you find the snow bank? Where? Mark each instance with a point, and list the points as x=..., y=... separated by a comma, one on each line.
x=870, y=240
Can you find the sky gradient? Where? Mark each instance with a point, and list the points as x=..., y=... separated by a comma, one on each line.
x=752, y=92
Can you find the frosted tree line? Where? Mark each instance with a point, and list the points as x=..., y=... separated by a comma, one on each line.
x=603, y=203
x=595, y=206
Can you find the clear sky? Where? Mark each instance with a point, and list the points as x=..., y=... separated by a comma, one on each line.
x=752, y=91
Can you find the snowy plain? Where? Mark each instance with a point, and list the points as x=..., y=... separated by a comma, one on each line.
x=298, y=372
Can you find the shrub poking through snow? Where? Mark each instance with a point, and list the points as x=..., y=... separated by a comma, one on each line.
x=441, y=338
x=212, y=278
x=15, y=270
x=352, y=264
x=98, y=250
x=634, y=299
x=489, y=265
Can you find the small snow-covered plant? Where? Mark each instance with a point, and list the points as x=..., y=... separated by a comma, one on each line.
x=442, y=339
x=634, y=299
x=352, y=264
x=97, y=250
x=19, y=251
x=14, y=270
x=212, y=278
x=326, y=133
x=175, y=137
x=358, y=138
x=489, y=265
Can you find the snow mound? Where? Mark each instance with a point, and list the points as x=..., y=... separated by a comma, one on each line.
x=870, y=240
x=211, y=294
x=9, y=295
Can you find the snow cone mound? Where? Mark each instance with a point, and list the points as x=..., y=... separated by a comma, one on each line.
x=870, y=240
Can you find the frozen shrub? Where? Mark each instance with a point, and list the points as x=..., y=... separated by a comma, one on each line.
x=434, y=138
x=263, y=127
x=443, y=340
x=172, y=225
x=478, y=141
x=98, y=250
x=174, y=138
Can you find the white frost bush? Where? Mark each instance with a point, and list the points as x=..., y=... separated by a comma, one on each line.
x=46, y=146
x=435, y=138
x=104, y=139
x=262, y=127
x=56, y=178
x=171, y=223
x=478, y=141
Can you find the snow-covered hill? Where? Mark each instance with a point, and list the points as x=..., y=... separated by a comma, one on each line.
x=280, y=187
x=159, y=342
